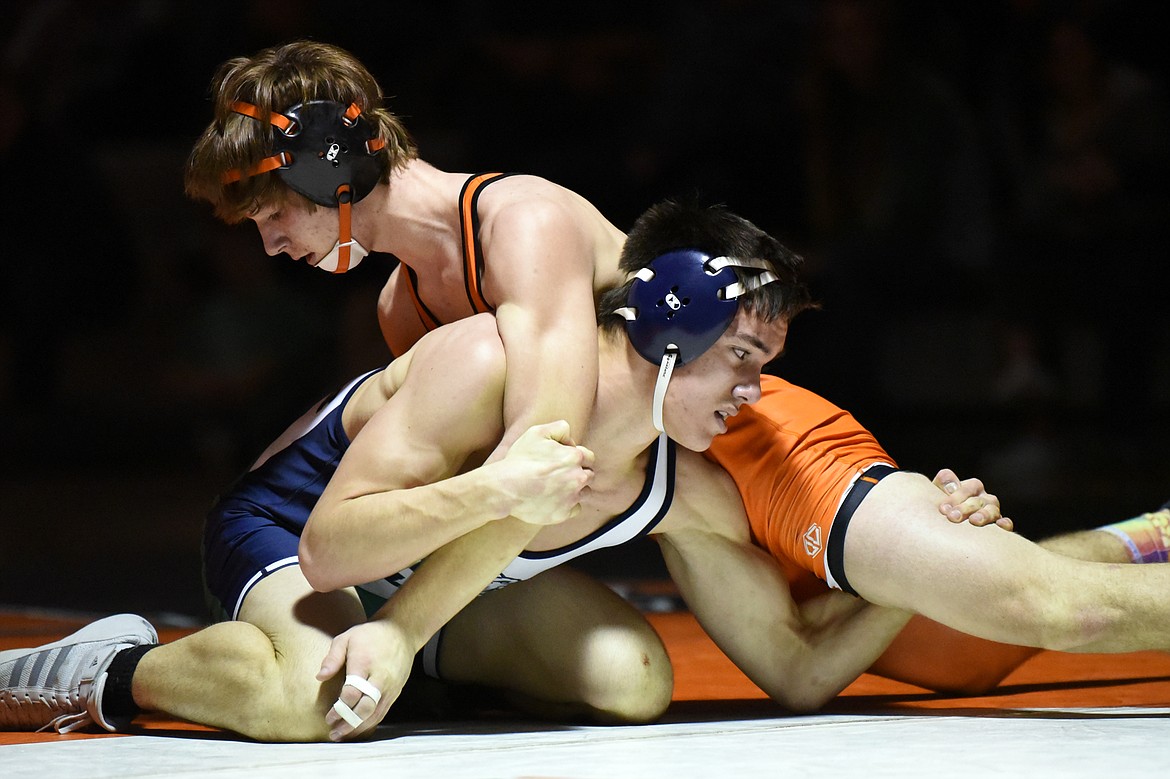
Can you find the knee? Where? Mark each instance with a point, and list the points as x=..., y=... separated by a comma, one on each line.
x=1059, y=619
x=298, y=715
x=630, y=678
x=973, y=682
x=296, y=708
x=278, y=700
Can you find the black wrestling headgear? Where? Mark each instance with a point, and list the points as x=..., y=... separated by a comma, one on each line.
x=324, y=151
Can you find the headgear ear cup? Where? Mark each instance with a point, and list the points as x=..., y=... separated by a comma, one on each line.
x=677, y=302
x=330, y=148
x=680, y=304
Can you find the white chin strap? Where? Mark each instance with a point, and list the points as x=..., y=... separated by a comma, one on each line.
x=330, y=263
x=664, y=372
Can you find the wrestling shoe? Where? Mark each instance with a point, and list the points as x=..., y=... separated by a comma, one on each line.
x=60, y=685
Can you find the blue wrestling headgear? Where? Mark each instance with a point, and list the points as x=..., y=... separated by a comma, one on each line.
x=680, y=304
x=326, y=152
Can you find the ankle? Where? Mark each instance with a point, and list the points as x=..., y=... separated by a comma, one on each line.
x=1146, y=538
x=117, y=701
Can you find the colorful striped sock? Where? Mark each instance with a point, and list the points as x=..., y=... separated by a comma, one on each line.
x=1147, y=537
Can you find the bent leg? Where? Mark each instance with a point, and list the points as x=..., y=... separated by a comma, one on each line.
x=561, y=645
x=256, y=676
x=936, y=657
x=995, y=584
x=1091, y=545
x=1141, y=539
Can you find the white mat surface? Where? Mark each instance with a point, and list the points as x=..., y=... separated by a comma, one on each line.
x=1030, y=743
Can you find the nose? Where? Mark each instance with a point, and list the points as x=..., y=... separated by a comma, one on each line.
x=274, y=241
x=748, y=392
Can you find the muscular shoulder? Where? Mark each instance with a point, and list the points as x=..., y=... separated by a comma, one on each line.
x=531, y=214
x=438, y=407
x=705, y=499
x=464, y=356
x=529, y=201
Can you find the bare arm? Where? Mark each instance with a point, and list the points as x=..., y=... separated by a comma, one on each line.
x=377, y=534
x=803, y=654
x=389, y=498
x=541, y=268
x=800, y=655
x=407, y=485
x=383, y=649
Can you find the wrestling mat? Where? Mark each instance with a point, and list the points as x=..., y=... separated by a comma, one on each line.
x=1056, y=715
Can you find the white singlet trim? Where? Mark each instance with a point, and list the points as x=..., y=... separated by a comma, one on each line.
x=276, y=566
x=613, y=533
x=309, y=420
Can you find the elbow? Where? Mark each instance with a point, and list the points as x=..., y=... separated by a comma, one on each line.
x=802, y=699
x=315, y=573
x=803, y=691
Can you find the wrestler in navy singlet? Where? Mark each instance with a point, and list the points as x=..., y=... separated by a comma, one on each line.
x=636, y=521
x=254, y=530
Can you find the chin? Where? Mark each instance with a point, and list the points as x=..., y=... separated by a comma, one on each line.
x=696, y=443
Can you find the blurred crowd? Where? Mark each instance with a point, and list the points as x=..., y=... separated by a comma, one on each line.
x=979, y=189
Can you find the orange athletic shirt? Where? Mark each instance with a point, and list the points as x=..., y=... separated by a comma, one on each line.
x=793, y=456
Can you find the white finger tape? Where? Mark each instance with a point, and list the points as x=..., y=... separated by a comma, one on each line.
x=364, y=685
x=347, y=714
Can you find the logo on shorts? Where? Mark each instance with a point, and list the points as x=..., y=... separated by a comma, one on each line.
x=812, y=540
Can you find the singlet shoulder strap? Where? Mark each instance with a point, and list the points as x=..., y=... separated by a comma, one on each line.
x=473, y=260
x=638, y=520
x=426, y=316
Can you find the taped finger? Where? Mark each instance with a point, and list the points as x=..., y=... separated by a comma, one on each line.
x=362, y=684
x=347, y=714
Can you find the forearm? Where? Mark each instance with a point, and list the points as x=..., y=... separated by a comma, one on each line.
x=452, y=577
x=841, y=642
x=805, y=662
x=564, y=390
x=360, y=539
x=552, y=373
x=800, y=655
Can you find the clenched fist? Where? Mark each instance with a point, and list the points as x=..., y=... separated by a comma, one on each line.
x=544, y=474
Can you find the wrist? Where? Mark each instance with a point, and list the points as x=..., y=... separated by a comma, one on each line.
x=399, y=632
x=499, y=500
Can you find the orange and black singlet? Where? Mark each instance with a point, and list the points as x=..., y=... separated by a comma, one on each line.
x=473, y=259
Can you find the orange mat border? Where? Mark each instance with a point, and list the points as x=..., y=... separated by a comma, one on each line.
x=708, y=684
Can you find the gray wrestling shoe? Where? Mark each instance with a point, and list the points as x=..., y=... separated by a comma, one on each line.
x=60, y=685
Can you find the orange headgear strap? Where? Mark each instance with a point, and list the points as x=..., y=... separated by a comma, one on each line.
x=286, y=125
x=344, y=238
x=276, y=161
x=280, y=160
x=290, y=128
